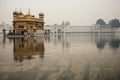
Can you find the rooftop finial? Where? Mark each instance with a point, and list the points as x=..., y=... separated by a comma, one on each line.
x=20, y=9
x=16, y=9
x=29, y=10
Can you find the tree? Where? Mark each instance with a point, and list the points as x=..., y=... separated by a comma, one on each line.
x=100, y=22
x=115, y=23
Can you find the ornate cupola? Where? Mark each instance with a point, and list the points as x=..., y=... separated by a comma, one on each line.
x=28, y=14
x=41, y=15
x=20, y=13
x=15, y=12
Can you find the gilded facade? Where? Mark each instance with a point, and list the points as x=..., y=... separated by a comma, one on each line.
x=27, y=23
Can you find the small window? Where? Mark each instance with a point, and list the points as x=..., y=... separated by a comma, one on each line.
x=21, y=46
x=19, y=26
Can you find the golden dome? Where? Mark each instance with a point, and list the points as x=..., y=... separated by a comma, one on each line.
x=15, y=13
x=20, y=13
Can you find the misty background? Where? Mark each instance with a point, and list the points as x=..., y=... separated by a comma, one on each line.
x=78, y=12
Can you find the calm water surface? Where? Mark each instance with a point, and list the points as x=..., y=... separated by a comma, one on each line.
x=61, y=57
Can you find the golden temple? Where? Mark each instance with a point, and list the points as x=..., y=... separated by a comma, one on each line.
x=27, y=24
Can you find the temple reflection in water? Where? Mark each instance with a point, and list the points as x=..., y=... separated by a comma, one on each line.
x=68, y=57
x=27, y=48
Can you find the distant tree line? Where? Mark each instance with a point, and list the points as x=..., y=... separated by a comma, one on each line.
x=114, y=23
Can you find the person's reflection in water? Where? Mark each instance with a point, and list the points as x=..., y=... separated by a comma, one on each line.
x=25, y=49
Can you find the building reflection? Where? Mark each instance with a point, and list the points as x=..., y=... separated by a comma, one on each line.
x=4, y=40
x=61, y=39
x=26, y=49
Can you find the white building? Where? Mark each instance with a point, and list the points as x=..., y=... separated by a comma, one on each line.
x=7, y=27
x=66, y=28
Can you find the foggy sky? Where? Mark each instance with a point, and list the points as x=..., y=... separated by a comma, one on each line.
x=78, y=12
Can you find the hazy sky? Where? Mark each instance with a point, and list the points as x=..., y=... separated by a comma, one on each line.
x=78, y=12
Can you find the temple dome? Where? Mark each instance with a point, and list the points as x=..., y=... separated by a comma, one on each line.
x=15, y=13
x=20, y=13
x=41, y=14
